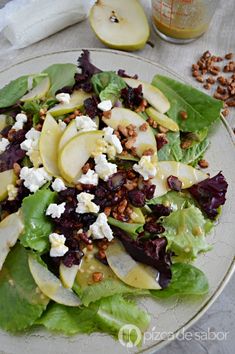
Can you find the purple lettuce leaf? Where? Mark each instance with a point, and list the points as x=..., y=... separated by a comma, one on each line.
x=210, y=194
x=123, y=73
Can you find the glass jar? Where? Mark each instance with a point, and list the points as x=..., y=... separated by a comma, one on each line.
x=182, y=21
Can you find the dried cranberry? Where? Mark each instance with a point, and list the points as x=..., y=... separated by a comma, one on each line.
x=174, y=183
x=116, y=181
x=90, y=105
x=101, y=192
x=137, y=198
x=149, y=191
x=154, y=228
x=72, y=257
x=161, y=140
x=132, y=97
x=160, y=210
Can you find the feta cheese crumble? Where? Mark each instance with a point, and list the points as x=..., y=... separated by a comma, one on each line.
x=101, y=229
x=145, y=167
x=89, y=178
x=3, y=144
x=34, y=178
x=112, y=139
x=85, y=204
x=12, y=192
x=62, y=125
x=58, y=248
x=105, y=105
x=31, y=143
x=58, y=185
x=21, y=118
x=63, y=98
x=85, y=124
x=104, y=168
x=55, y=210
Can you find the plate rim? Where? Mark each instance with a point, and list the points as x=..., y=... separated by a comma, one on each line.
x=227, y=127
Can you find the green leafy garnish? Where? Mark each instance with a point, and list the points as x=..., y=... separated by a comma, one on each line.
x=175, y=200
x=13, y=91
x=186, y=280
x=202, y=110
x=21, y=302
x=194, y=153
x=132, y=229
x=60, y=75
x=172, y=150
x=37, y=225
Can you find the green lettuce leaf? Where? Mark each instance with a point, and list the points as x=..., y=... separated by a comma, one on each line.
x=202, y=110
x=108, y=85
x=60, y=75
x=131, y=229
x=37, y=225
x=172, y=150
x=175, y=200
x=21, y=302
x=186, y=280
x=13, y=91
x=185, y=230
x=195, y=152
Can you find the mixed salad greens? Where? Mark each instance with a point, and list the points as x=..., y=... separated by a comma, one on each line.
x=101, y=196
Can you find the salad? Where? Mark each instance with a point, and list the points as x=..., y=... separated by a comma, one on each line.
x=102, y=197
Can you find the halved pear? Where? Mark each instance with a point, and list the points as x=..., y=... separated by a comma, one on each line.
x=76, y=101
x=162, y=119
x=50, y=285
x=38, y=91
x=120, y=24
x=124, y=117
x=68, y=275
x=3, y=121
x=10, y=230
x=128, y=270
x=186, y=174
x=48, y=145
x=153, y=95
x=6, y=177
x=76, y=153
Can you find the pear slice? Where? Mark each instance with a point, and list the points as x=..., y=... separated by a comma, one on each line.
x=10, y=230
x=50, y=285
x=186, y=174
x=128, y=270
x=120, y=24
x=162, y=119
x=6, y=177
x=137, y=217
x=124, y=117
x=38, y=91
x=76, y=101
x=3, y=121
x=153, y=95
x=76, y=153
x=68, y=275
x=48, y=145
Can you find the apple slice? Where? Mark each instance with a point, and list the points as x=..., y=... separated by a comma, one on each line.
x=162, y=119
x=48, y=145
x=6, y=177
x=10, y=230
x=186, y=174
x=76, y=153
x=68, y=275
x=50, y=285
x=38, y=91
x=128, y=270
x=76, y=101
x=120, y=24
x=124, y=117
x=153, y=95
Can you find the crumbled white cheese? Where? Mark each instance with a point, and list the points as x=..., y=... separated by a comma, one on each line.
x=85, y=204
x=31, y=143
x=89, y=178
x=58, y=248
x=62, y=125
x=145, y=167
x=104, y=168
x=63, y=98
x=21, y=118
x=55, y=210
x=34, y=178
x=3, y=144
x=85, y=124
x=12, y=192
x=112, y=139
x=101, y=229
x=100, y=148
x=105, y=105
x=58, y=185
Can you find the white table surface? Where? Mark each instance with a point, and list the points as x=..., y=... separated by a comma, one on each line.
x=220, y=39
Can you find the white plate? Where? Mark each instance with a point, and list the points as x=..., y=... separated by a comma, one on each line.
x=168, y=316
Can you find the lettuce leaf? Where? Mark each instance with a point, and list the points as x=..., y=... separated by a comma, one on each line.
x=60, y=75
x=37, y=225
x=172, y=150
x=175, y=200
x=132, y=229
x=195, y=152
x=21, y=302
x=202, y=109
x=186, y=280
x=13, y=91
